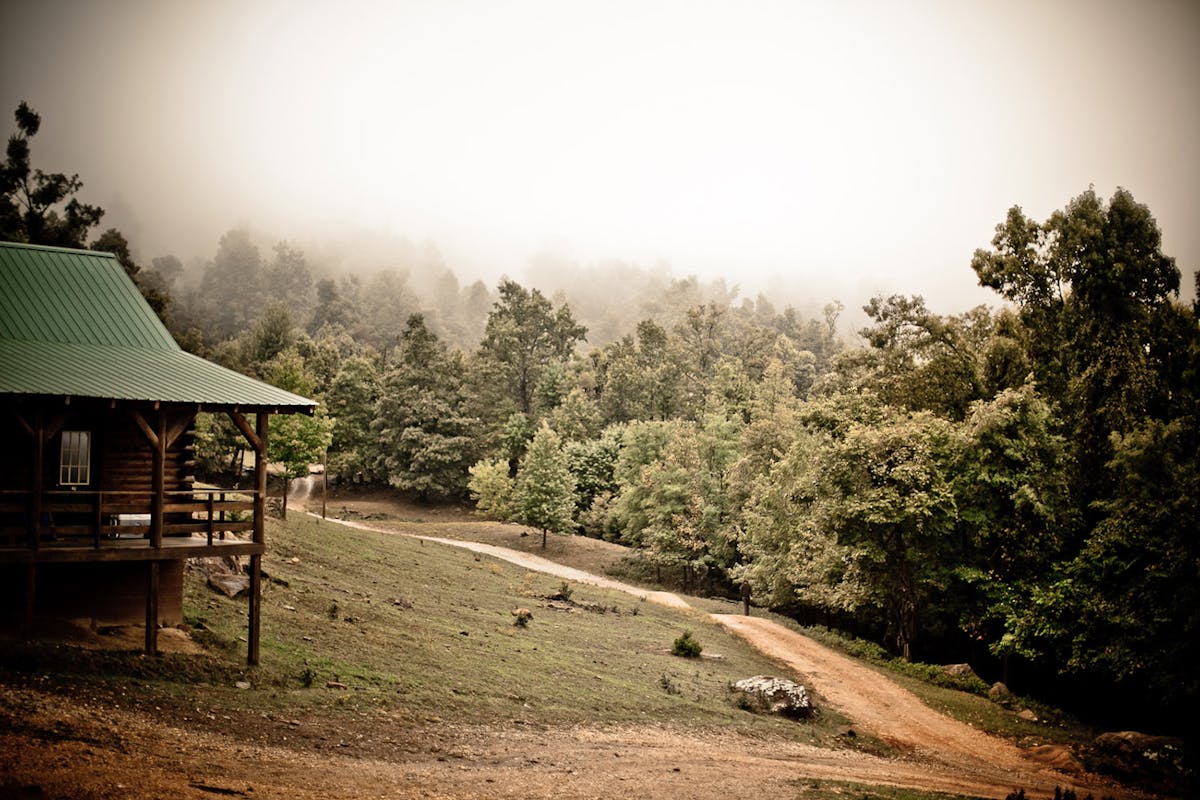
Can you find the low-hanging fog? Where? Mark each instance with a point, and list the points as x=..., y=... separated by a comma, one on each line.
x=813, y=151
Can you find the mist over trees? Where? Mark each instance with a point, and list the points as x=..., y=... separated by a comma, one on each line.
x=1015, y=486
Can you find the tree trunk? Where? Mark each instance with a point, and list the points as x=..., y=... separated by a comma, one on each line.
x=287, y=484
x=543, y=538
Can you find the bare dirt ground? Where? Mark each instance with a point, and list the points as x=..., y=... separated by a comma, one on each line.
x=55, y=743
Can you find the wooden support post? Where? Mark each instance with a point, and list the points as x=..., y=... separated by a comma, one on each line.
x=255, y=609
x=152, y=609
x=210, y=518
x=30, y=599
x=260, y=517
x=158, y=502
x=35, y=499
x=260, y=477
x=98, y=519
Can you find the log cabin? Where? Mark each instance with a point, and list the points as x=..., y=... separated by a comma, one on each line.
x=99, y=506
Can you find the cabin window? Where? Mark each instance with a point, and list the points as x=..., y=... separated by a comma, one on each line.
x=75, y=463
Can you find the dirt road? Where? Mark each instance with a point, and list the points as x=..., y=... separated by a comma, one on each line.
x=940, y=752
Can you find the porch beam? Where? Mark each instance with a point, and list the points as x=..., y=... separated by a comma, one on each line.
x=181, y=425
x=147, y=431
x=243, y=425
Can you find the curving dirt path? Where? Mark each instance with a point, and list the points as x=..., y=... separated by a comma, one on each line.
x=941, y=753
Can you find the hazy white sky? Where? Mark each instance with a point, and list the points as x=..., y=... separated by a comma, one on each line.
x=836, y=148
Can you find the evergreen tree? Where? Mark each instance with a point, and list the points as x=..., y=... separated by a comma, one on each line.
x=40, y=207
x=544, y=496
x=524, y=336
x=231, y=285
x=353, y=399
x=424, y=438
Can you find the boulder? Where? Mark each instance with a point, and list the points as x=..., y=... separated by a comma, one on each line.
x=1156, y=762
x=999, y=693
x=959, y=671
x=776, y=695
x=1055, y=756
x=229, y=584
x=222, y=573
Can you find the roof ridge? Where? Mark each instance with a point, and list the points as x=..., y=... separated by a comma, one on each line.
x=57, y=249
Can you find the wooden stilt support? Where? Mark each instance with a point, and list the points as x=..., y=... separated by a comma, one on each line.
x=30, y=599
x=35, y=496
x=158, y=480
x=260, y=477
x=255, y=609
x=260, y=520
x=152, y=609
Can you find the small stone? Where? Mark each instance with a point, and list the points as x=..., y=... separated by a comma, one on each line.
x=242, y=684
x=335, y=685
x=1027, y=715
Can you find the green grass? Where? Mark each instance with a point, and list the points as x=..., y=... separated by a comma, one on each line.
x=962, y=698
x=426, y=631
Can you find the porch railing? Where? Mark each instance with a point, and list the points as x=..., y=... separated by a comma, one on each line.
x=100, y=519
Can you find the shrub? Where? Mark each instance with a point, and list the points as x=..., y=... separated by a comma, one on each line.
x=686, y=647
x=307, y=676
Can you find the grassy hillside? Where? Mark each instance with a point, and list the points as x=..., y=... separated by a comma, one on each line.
x=427, y=632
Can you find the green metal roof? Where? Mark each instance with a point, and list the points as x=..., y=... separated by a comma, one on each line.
x=73, y=323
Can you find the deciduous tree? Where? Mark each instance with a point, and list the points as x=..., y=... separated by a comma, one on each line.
x=544, y=495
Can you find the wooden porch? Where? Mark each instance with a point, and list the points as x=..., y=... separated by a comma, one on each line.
x=100, y=526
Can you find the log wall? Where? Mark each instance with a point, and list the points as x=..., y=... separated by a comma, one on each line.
x=121, y=458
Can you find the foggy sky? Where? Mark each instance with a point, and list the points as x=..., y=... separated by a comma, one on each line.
x=819, y=149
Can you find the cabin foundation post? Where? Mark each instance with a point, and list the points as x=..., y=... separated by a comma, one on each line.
x=152, y=608
x=260, y=518
x=35, y=497
x=158, y=479
x=255, y=610
x=30, y=600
